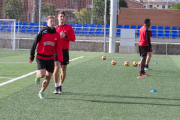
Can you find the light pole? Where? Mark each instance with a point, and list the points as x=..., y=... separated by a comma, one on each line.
x=39, y=15
x=105, y=25
x=113, y=24
x=92, y=13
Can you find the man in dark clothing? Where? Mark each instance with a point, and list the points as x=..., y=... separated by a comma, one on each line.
x=144, y=45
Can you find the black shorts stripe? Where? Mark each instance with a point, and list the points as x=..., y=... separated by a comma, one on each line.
x=44, y=55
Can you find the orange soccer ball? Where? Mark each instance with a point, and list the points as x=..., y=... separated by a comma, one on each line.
x=113, y=62
x=103, y=57
x=126, y=63
x=139, y=63
x=135, y=64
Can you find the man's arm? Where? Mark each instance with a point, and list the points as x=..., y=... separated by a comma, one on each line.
x=33, y=48
x=71, y=36
x=148, y=37
x=59, y=50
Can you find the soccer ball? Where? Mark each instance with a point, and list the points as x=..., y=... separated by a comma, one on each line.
x=113, y=62
x=103, y=57
x=139, y=63
x=126, y=63
x=135, y=64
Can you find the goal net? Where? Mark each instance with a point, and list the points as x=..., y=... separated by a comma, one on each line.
x=85, y=16
x=7, y=34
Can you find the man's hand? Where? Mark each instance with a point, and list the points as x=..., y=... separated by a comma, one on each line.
x=30, y=61
x=151, y=49
x=61, y=64
x=62, y=34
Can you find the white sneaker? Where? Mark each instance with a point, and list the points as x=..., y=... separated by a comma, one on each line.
x=41, y=95
x=56, y=91
x=60, y=89
x=147, y=68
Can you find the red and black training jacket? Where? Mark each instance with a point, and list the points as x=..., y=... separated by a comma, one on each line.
x=47, y=42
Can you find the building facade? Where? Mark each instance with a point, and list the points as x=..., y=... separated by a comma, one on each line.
x=69, y=6
x=159, y=4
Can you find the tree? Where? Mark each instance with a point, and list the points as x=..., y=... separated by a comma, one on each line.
x=98, y=10
x=84, y=16
x=48, y=9
x=122, y=3
x=14, y=9
x=35, y=11
x=176, y=6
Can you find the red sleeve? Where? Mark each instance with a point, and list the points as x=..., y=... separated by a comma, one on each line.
x=71, y=35
x=151, y=33
x=59, y=50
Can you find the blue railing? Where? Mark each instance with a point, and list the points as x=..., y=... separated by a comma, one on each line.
x=92, y=29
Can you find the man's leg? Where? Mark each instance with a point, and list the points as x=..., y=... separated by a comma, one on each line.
x=143, y=60
x=62, y=76
x=143, y=54
x=63, y=73
x=40, y=74
x=45, y=83
x=41, y=70
x=147, y=61
x=56, y=72
x=56, y=76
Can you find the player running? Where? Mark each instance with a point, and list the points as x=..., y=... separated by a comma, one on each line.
x=67, y=34
x=47, y=42
x=144, y=45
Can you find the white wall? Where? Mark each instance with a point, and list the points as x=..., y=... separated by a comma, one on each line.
x=160, y=6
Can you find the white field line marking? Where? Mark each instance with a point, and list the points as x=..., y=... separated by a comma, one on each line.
x=5, y=78
x=76, y=58
x=4, y=83
x=16, y=62
x=35, y=62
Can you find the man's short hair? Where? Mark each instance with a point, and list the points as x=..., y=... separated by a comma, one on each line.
x=49, y=17
x=146, y=21
x=61, y=12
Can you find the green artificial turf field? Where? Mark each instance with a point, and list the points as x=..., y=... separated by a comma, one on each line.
x=93, y=89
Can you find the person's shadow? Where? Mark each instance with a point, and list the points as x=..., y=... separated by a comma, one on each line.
x=116, y=96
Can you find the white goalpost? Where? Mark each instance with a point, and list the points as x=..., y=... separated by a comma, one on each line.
x=8, y=33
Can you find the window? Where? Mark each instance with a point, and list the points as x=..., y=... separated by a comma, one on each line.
x=163, y=6
x=157, y=5
x=169, y=6
x=75, y=3
x=29, y=17
x=65, y=3
x=150, y=6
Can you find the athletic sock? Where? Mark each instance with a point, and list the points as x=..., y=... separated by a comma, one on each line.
x=40, y=92
x=60, y=84
x=56, y=84
x=146, y=65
